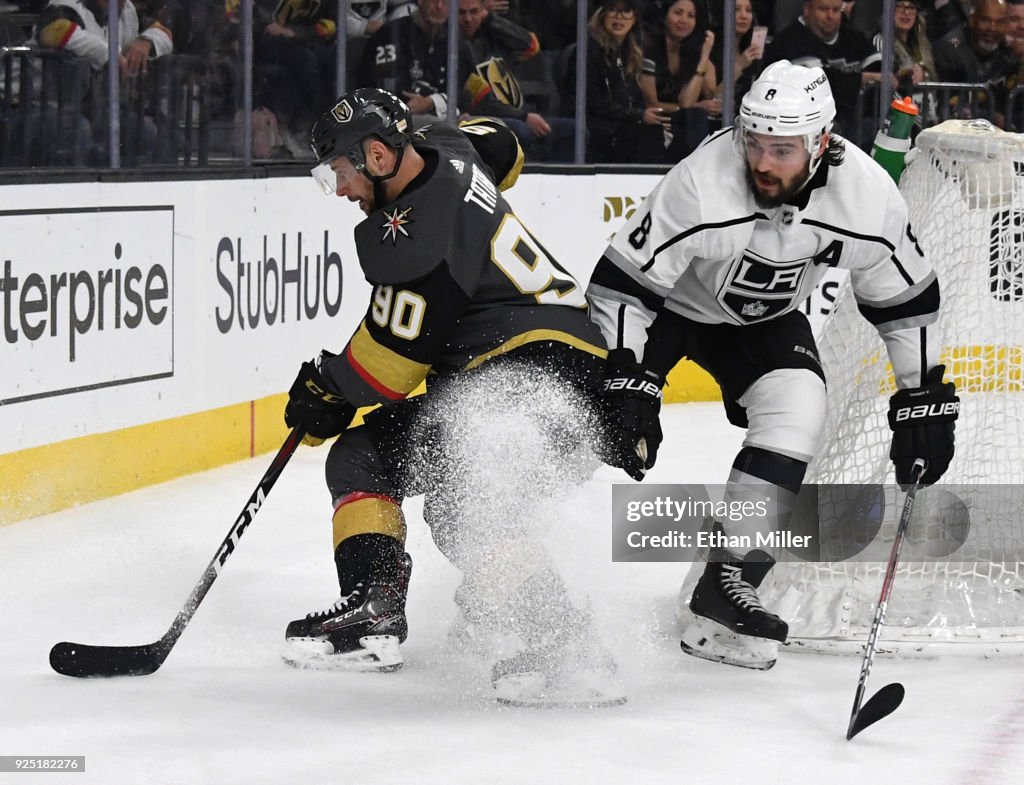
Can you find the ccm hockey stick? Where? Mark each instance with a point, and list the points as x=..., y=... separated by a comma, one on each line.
x=79, y=659
x=888, y=699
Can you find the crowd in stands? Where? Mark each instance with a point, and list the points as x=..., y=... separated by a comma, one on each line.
x=654, y=68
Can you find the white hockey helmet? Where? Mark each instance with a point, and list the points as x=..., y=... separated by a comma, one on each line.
x=789, y=100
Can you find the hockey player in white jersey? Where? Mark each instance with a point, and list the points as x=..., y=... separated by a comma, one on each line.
x=713, y=267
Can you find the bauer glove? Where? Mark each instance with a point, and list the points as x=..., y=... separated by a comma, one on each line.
x=314, y=405
x=922, y=420
x=630, y=407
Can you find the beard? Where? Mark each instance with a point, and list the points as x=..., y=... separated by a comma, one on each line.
x=784, y=194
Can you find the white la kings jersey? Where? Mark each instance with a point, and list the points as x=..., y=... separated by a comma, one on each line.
x=700, y=247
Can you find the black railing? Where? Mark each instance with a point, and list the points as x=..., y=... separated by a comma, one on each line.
x=199, y=109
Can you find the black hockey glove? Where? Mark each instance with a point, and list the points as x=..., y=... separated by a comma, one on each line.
x=922, y=421
x=314, y=405
x=631, y=405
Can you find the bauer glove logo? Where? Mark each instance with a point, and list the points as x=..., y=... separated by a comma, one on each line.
x=945, y=410
x=635, y=385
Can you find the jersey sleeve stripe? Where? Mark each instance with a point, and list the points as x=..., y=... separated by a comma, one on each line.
x=532, y=50
x=908, y=294
x=694, y=230
x=612, y=279
x=871, y=238
x=386, y=371
x=901, y=269
x=919, y=310
x=57, y=34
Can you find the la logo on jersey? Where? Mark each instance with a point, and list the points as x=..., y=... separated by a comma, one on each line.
x=758, y=288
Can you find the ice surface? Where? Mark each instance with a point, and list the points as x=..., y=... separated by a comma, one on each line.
x=225, y=709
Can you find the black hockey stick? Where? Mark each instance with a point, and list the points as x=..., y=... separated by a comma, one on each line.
x=888, y=699
x=79, y=659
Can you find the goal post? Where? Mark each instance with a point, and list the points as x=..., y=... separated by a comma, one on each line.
x=964, y=187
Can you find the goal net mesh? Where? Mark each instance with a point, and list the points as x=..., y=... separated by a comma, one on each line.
x=964, y=191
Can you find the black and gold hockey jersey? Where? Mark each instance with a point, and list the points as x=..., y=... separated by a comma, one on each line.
x=457, y=278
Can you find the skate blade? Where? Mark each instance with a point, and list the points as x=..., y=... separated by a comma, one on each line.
x=379, y=654
x=587, y=689
x=709, y=640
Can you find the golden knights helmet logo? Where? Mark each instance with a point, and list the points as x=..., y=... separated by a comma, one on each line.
x=342, y=111
x=502, y=81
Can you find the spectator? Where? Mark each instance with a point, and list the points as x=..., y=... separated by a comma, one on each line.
x=366, y=17
x=1015, y=41
x=1015, y=29
x=784, y=13
x=620, y=128
x=747, y=56
x=79, y=27
x=912, y=53
x=409, y=58
x=820, y=38
x=764, y=12
x=296, y=39
x=554, y=21
x=490, y=45
x=679, y=78
x=982, y=55
x=212, y=35
x=949, y=19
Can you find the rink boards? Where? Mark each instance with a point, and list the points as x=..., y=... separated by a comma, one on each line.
x=149, y=329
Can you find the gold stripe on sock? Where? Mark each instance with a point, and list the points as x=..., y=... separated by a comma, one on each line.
x=367, y=513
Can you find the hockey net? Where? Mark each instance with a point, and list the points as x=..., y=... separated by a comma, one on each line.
x=965, y=192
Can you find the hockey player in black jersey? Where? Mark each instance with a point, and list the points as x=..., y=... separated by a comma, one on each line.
x=461, y=291
x=713, y=267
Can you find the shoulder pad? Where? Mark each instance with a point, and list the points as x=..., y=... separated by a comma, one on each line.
x=497, y=147
x=407, y=239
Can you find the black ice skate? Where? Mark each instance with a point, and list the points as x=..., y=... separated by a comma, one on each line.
x=731, y=625
x=567, y=668
x=360, y=632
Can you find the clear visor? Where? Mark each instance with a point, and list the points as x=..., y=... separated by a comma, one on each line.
x=325, y=177
x=335, y=174
x=810, y=141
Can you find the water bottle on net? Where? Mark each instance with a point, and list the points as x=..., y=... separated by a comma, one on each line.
x=892, y=142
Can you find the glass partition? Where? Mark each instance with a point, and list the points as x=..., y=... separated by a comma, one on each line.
x=237, y=83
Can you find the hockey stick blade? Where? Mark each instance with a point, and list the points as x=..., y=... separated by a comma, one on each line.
x=80, y=660
x=887, y=699
x=83, y=661
x=880, y=705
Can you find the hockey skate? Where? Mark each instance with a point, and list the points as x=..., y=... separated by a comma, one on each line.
x=731, y=625
x=360, y=632
x=569, y=668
